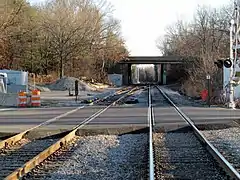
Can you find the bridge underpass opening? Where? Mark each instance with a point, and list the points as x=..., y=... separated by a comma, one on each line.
x=168, y=69
x=146, y=73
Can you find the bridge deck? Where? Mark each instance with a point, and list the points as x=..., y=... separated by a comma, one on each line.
x=152, y=60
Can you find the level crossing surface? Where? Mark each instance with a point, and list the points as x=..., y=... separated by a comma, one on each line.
x=18, y=120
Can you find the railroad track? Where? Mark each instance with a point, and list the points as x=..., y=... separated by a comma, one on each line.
x=19, y=155
x=109, y=155
x=184, y=155
x=6, y=143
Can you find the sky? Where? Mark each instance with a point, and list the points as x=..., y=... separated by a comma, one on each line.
x=144, y=21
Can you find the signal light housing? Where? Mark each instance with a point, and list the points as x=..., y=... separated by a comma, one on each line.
x=226, y=63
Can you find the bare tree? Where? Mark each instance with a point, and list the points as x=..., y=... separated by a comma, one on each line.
x=71, y=37
x=205, y=39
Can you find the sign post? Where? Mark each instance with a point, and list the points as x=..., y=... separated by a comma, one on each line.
x=208, y=77
x=76, y=89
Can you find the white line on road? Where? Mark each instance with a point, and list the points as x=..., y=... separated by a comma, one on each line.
x=57, y=117
x=8, y=109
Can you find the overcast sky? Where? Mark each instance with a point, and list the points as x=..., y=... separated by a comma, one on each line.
x=143, y=21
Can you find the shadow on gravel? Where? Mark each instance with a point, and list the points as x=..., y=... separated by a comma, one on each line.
x=92, y=132
x=184, y=129
x=112, y=131
x=54, y=136
x=44, y=135
x=203, y=127
x=4, y=136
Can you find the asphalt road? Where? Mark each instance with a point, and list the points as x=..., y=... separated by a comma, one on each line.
x=17, y=120
x=14, y=121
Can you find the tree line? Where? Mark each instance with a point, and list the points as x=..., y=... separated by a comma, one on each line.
x=67, y=37
x=203, y=40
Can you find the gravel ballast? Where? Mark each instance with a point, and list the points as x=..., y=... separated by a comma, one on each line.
x=181, y=156
x=181, y=100
x=17, y=156
x=104, y=157
x=227, y=141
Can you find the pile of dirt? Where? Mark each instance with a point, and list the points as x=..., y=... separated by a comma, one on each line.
x=67, y=83
x=40, y=88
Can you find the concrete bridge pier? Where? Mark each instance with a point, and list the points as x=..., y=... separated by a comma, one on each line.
x=156, y=73
x=163, y=74
x=126, y=72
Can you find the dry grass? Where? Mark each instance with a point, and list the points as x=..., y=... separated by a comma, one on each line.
x=43, y=79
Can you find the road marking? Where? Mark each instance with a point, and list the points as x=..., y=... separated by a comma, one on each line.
x=7, y=109
x=57, y=117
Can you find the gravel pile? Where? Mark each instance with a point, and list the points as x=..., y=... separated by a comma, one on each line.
x=40, y=88
x=69, y=82
x=181, y=156
x=180, y=100
x=227, y=141
x=103, y=157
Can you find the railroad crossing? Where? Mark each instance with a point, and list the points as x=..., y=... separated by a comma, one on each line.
x=121, y=123
x=133, y=127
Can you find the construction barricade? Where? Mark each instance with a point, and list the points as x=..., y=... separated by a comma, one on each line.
x=22, y=99
x=35, y=98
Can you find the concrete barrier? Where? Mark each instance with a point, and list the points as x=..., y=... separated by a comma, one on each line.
x=9, y=99
x=2, y=85
x=13, y=88
x=116, y=79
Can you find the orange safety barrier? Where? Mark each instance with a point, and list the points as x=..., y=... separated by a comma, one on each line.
x=35, y=99
x=22, y=99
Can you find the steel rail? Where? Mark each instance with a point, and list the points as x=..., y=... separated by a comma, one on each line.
x=31, y=164
x=227, y=167
x=150, y=123
x=13, y=139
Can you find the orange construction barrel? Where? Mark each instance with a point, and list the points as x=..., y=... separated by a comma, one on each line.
x=22, y=99
x=35, y=98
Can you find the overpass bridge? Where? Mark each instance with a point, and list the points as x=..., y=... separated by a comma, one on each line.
x=152, y=60
x=162, y=64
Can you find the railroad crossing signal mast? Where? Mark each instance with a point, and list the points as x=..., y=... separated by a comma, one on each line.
x=234, y=39
x=234, y=47
x=231, y=89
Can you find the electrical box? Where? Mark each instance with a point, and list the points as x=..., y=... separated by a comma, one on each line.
x=226, y=76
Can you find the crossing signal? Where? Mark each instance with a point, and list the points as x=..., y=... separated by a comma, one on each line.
x=226, y=63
